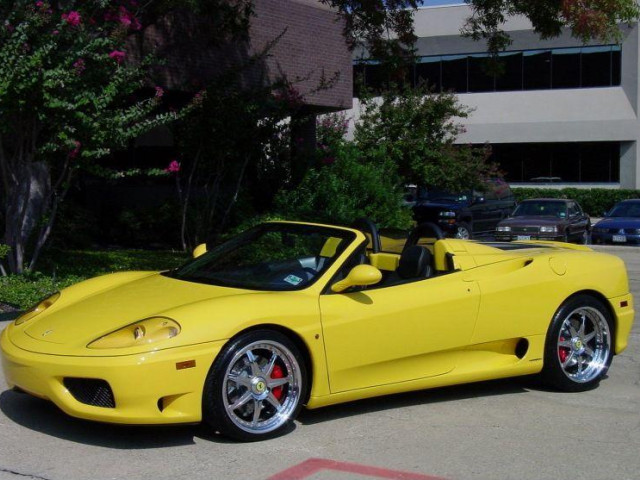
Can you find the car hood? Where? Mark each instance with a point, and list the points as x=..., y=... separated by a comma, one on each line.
x=618, y=222
x=533, y=220
x=77, y=319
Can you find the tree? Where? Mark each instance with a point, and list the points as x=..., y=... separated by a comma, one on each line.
x=586, y=19
x=416, y=130
x=65, y=101
x=344, y=184
x=69, y=96
x=385, y=27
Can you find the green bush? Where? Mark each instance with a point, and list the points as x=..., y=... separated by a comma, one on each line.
x=345, y=188
x=594, y=201
x=62, y=268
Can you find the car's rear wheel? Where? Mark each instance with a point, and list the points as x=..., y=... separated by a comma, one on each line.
x=578, y=349
x=255, y=387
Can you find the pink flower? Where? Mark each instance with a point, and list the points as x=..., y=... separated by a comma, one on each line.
x=74, y=153
x=117, y=55
x=174, y=167
x=124, y=17
x=56, y=32
x=159, y=92
x=39, y=4
x=80, y=66
x=10, y=28
x=73, y=18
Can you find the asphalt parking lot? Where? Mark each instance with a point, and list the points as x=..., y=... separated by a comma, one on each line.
x=502, y=429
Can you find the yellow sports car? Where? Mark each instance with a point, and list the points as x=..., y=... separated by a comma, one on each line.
x=290, y=314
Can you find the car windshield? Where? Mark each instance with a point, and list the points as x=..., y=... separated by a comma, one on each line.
x=272, y=256
x=631, y=209
x=446, y=197
x=541, y=209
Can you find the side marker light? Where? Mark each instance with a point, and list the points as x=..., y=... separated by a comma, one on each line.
x=186, y=364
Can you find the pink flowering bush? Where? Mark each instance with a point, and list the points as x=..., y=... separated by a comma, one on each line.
x=68, y=94
x=117, y=55
x=174, y=167
x=73, y=18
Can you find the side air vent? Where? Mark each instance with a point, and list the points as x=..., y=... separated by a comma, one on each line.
x=91, y=391
x=522, y=347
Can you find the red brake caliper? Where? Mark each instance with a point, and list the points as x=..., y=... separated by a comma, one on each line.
x=277, y=373
x=563, y=352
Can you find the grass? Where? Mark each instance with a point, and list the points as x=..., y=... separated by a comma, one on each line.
x=60, y=268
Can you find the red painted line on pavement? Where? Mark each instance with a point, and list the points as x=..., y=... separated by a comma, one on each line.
x=314, y=465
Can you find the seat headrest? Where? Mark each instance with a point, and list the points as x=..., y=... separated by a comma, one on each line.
x=415, y=262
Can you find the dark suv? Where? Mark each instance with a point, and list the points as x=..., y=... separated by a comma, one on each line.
x=465, y=214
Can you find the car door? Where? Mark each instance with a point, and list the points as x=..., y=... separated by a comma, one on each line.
x=399, y=333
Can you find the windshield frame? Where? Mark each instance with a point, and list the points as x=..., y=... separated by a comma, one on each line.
x=243, y=239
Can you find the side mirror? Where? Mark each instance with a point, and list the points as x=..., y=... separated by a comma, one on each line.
x=200, y=250
x=359, y=276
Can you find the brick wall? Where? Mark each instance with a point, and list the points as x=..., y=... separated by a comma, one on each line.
x=311, y=47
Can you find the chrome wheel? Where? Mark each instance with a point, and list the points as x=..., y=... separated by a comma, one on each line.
x=261, y=387
x=584, y=344
x=463, y=232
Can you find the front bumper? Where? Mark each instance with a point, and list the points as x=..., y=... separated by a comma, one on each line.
x=147, y=388
x=508, y=237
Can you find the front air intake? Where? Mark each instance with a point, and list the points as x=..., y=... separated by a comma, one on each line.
x=91, y=391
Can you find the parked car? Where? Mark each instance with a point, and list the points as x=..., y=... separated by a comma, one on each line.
x=289, y=314
x=620, y=225
x=465, y=214
x=546, y=219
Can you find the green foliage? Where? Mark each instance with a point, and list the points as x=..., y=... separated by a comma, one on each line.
x=4, y=250
x=594, y=201
x=347, y=188
x=586, y=19
x=415, y=129
x=62, y=268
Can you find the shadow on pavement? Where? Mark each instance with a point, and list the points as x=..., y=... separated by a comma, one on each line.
x=44, y=417
x=509, y=386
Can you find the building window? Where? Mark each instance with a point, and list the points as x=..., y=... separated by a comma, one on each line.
x=576, y=162
x=536, y=69
x=579, y=67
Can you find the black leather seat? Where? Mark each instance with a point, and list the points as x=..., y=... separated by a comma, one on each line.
x=416, y=263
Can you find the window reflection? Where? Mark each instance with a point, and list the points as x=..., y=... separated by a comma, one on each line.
x=579, y=67
x=559, y=162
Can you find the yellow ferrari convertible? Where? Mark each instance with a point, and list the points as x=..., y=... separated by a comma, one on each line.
x=292, y=314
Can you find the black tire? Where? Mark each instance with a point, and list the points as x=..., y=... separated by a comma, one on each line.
x=579, y=345
x=237, y=375
x=463, y=231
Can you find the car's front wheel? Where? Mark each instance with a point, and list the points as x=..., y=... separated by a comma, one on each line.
x=255, y=387
x=578, y=348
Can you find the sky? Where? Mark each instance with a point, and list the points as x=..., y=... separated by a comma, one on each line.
x=431, y=3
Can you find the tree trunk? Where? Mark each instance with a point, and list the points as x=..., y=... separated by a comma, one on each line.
x=26, y=203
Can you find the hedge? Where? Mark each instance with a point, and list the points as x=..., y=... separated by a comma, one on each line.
x=594, y=201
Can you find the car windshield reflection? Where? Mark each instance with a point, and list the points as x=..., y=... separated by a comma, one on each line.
x=270, y=257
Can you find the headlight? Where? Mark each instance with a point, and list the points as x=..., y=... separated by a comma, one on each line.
x=504, y=229
x=553, y=229
x=40, y=307
x=144, y=332
x=448, y=214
